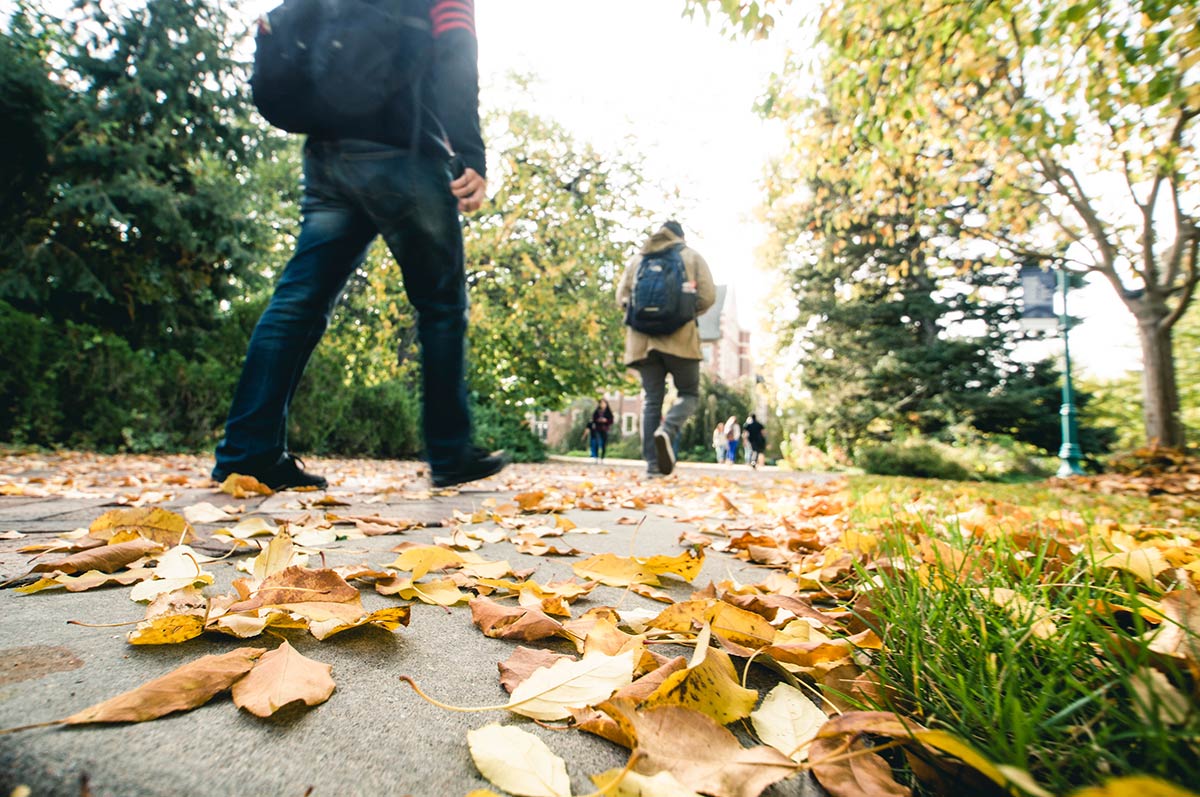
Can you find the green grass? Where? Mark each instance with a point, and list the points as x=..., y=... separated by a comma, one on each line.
x=1065, y=707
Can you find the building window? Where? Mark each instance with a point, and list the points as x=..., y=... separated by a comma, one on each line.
x=628, y=423
x=706, y=351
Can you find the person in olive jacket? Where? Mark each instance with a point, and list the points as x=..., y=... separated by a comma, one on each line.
x=677, y=353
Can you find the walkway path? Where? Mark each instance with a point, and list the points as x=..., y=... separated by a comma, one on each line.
x=374, y=736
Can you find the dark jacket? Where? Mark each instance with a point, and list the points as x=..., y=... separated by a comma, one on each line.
x=453, y=95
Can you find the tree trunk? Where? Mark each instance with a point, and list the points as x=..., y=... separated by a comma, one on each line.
x=1160, y=393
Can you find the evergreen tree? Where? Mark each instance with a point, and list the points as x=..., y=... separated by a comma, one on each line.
x=129, y=207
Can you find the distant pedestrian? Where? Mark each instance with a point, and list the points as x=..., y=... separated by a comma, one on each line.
x=602, y=421
x=663, y=290
x=719, y=443
x=733, y=435
x=756, y=440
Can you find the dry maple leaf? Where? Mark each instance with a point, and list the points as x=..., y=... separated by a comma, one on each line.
x=182, y=689
x=283, y=676
x=849, y=769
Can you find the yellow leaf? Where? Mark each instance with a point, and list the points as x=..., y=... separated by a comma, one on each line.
x=551, y=692
x=280, y=677
x=387, y=619
x=240, y=486
x=788, y=720
x=153, y=523
x=708, y=685
x=518, y=762
x=420, y=559
x=1135, y=786
x=442, y=592
x=172, y=618
x=635, y=784
x=615, y=571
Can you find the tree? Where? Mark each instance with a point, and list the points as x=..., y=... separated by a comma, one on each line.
x=543, y=257
x=132, y=208
x=1072, y=123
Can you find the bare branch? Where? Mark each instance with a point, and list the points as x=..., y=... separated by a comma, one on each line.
x=1189, y=284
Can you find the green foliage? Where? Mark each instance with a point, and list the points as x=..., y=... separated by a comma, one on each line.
x=139, y=181
x=501, y=427
x=1062, y=705
x=1024, y=115
x=543, y=256
x=910, y=458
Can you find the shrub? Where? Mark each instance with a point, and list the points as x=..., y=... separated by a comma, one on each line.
x=912, y=458
x=505, y=427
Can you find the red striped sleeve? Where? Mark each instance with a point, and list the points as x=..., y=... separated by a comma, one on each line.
x=450, y=15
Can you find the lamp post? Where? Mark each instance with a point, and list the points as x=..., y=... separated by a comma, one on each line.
x=1070, y=452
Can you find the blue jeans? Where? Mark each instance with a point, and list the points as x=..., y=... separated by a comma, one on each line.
x=598, y=444
x=353, y=191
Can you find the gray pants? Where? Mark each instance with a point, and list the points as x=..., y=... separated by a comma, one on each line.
x=686, y=376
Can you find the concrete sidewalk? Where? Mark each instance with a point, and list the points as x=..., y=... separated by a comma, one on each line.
x=374, y=736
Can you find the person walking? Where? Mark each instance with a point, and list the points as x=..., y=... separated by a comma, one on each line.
x=677, y=352
x=602, y=421
x=733, y=435
x=719, y=444
x=756, y=441
x=407, y=182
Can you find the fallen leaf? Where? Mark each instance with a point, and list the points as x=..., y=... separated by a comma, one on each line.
x=420, y=559
x=280, y=677
x=863, y=774
x=176, y=569
x=389, y=619
x=698, y=752
x=1135, y=786
x=106, y=558
x=240, y=486
x=516, y=622
x=787, y=720
x=89, y=580
x=634, y=784
x=518, y=762
x=171, y=618
x=523, y=662
x=708, y=685
x=295, y=585
x=551, y=692
x=204, y=512
x=155, y=524
x=182, y=689
x=442, y=592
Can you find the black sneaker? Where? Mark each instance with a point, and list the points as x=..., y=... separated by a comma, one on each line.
x=286, y=473
x=475, y=464
x=664, y=451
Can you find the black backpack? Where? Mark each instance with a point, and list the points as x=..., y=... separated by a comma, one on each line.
x=659, y=305
x=343, y=68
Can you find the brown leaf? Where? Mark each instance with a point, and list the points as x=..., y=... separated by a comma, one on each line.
x=298, y=585
x=516, y=622
x=522, y=663
x=701, y=754
x=106, y=559
x=863, y=774
x=155, y=524
x=643, y=687
x=182, y=689
x=280, y=677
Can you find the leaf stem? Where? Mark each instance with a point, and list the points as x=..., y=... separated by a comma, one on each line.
x=4, y=731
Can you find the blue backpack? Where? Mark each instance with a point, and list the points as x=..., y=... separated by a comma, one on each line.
x=659, y=305
x=343, y=68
